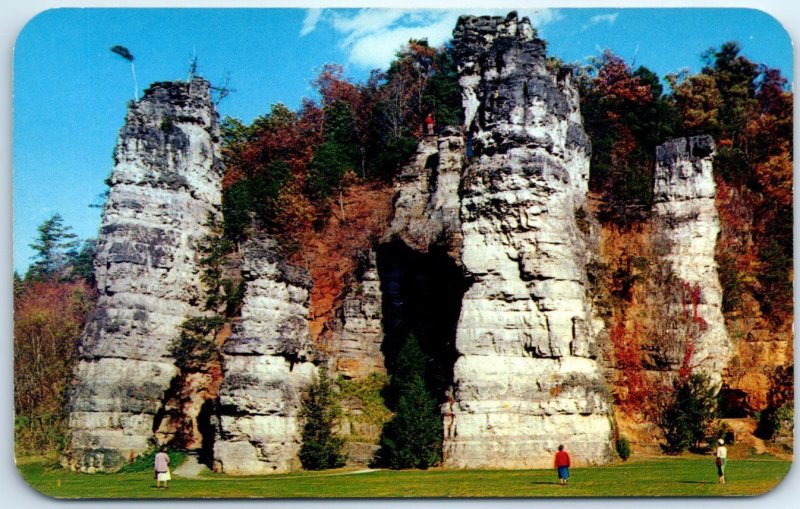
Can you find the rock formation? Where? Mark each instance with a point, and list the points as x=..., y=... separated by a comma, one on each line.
x=165, y=183
x=356, y=349
x=525, y=378
x=683, y=195
x=266, y=366
x=484, y=262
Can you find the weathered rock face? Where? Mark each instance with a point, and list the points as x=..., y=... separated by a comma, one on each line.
x=165, y=183
x=356, y=347
x=525, y=378
x=266, y=366
x=427, y=206
x=683, y=195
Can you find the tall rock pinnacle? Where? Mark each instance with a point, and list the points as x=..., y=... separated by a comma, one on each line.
x=165, y=183
x=683, y=194
x=525, y=376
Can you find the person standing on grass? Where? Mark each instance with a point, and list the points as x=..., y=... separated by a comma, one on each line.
x=162, y=468
x=722, y=460
x=561, y=463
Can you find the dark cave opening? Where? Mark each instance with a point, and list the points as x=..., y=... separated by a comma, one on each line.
x=205, y=425
x=422, y=295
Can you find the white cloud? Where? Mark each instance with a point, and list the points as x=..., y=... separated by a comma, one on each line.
x=602, y=18
x=310, y=21
x=371, y=37
x=541, y=17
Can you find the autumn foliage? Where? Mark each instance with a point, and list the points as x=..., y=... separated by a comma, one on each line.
x=319, y=179
x=48, y=320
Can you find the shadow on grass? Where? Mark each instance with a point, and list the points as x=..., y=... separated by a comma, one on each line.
x=545, y=482
x=696, y=482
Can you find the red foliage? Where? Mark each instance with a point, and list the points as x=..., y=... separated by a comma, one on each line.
x=283, y=135
x=687, y=368
x=618, y=87
x=627, y=352
x=48, y=320
x=331, y=255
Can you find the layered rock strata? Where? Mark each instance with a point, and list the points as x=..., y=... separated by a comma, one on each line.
x=266, y=366
x=526, y=376
x=356, y=349
x=683, y=195
x=165, y=183
x=427, y=204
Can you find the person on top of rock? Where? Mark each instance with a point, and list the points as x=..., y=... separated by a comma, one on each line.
x=561, y=463
x=429, y=123
x=162, y=468
x=722, y=460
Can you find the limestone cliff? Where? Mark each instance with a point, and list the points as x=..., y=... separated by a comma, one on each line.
x=525, y=377
x=355, y=349
x=266, y=366
x=484, y=262
x=687, y=217
x=165, y=183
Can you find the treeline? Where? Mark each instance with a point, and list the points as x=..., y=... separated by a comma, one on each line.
x=747, y=108
x=290, y=173
x=51, y=303
x=288, y=169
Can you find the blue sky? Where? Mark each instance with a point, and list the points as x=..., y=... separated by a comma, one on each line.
x=70, y=91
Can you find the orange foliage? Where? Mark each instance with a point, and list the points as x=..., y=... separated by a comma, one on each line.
x=616, y=84
x=48, y=320
x=775, y=174
x=331, y=255
x=283, y=135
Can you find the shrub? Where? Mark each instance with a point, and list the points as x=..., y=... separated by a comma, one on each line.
x=146, y=461
x=366, y=395
x=321, y=449
x=686, y=418
x=623, y=448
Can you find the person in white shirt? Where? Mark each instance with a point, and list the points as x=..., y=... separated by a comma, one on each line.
x=722, y=460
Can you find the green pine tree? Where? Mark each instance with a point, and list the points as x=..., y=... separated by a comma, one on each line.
x=688, y=416
x=321, y=449
x=52, y=246
x=413, y=437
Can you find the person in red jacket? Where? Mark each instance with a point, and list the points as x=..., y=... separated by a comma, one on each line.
x=430, y=123
x=562, y=465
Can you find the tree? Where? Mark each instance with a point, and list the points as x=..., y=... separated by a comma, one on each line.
x=321, y=448
x=687, y=417
x=735, y=79
x=52, y=246
x=698, y=101
x=626, y=117
x=127, y=55
x=81, y=261
x=49, y=316
x=413, y=437
x=196, y=347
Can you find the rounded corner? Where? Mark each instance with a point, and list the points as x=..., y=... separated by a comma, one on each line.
x=776, y=20
x=777, y=485
x=28, y=484
x=34, y=20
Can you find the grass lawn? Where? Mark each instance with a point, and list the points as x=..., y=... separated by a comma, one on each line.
x=684, y=476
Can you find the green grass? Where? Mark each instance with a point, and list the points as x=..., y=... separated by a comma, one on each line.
x=684, y=476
